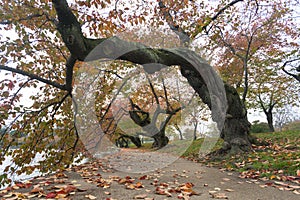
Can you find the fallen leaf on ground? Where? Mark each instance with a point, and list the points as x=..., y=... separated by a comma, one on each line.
x=89, y=196
x=140, y=196
x=36, y=190
x=143, y=177
x=219, y=196
x=161, y=191
x=296, y=192
x=130, y=186
x=51, y=195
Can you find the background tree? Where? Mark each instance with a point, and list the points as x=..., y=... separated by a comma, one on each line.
x=284, y=116
x=260, y=39
x=165, y=101
x=269, y=93
x=251, y=49
x=198, y=113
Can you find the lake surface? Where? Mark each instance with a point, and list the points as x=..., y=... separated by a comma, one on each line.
x=23, y=177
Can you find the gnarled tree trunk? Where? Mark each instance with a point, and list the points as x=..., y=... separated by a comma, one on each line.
x=236, y=129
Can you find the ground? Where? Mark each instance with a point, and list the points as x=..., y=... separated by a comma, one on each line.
x=111, y=178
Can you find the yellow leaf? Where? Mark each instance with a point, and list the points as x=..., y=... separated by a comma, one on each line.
x=272, y=177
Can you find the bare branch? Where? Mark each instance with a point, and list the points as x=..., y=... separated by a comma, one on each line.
x=113, y=99
x=231, y=48
x=153, y=91
x=166, y=95
x=20, y=88
x=201, y=28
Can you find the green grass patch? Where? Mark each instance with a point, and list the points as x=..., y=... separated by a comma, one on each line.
x=278, y=159
x=193, y=150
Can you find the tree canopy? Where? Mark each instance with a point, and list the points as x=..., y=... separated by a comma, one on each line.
x=44, y=43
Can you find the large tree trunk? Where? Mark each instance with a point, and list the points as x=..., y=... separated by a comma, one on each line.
x=237, y=127
x=199, y=74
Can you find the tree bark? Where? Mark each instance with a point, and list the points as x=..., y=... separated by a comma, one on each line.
x=270, y=121
x=160, y=140
x=134, y=139
x=195, y=130
x=237, y=127
x=179, y=130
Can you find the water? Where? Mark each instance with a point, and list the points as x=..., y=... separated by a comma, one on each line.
x=18, y=178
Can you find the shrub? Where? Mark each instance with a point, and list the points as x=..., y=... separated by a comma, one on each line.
x=259, y=127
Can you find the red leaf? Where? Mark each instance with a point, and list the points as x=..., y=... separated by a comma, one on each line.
x=70, y=188
x=143, y=177
x=51, y=195
x=10, y=85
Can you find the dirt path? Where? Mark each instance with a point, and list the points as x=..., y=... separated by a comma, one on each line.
x=113, y=178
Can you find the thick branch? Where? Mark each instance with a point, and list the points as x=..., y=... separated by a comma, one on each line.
x=183, y=36
x=29, y=17
x=69, y=72
x=33, y=76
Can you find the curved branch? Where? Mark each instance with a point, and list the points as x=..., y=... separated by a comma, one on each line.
x=165, y=123
x=200, y=74
x=297, y=77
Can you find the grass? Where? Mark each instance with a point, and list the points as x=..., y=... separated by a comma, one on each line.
x=278, y=159
x=193, y=149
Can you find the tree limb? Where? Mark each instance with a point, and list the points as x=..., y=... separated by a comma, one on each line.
x=33, y=76
x=297, y=77
x=29, y=17
x=200, y=28
x=183, y=36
